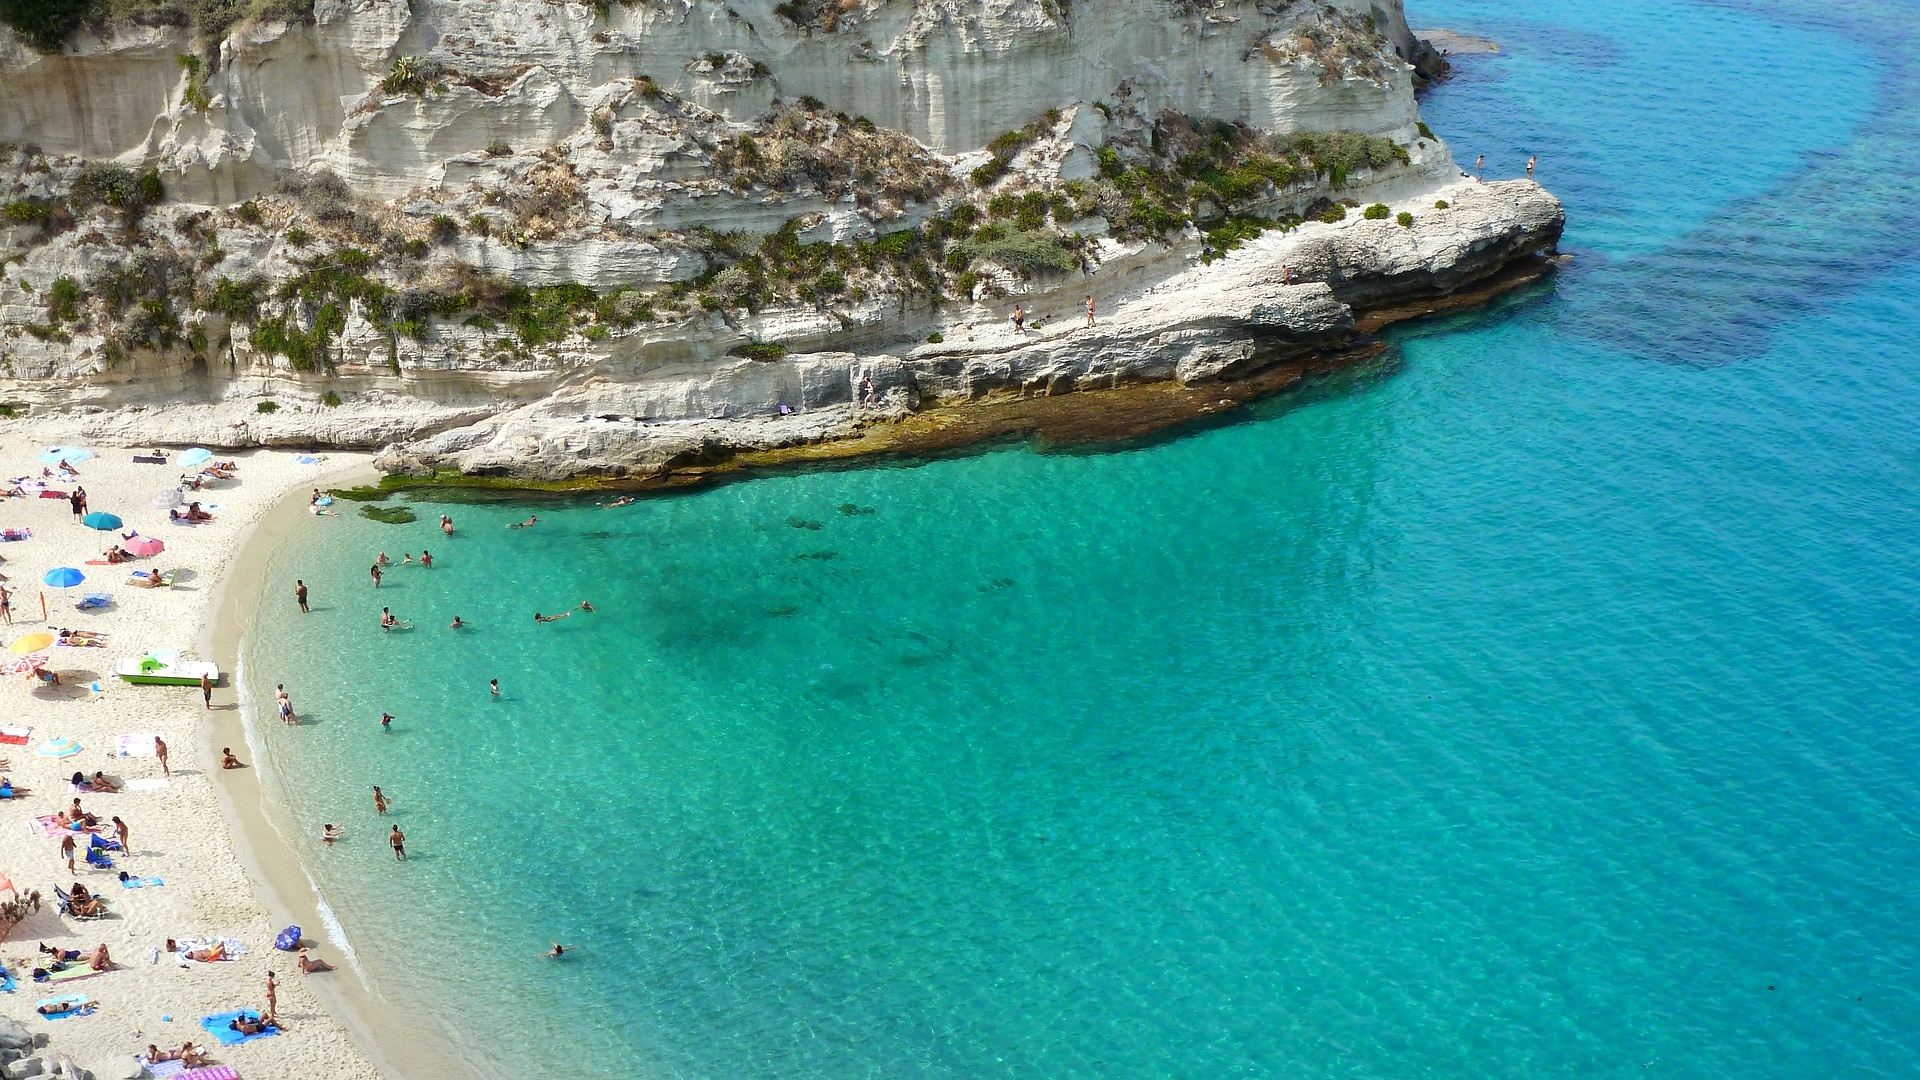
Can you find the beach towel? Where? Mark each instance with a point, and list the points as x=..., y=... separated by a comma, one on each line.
x=8, y=984
x=216, y=1026
x=72, y=974
x=147, y=783
x=136, y=745
x=233, y=949
x=50, y=826
x=159, y=1069
x=148, y=459
x=80, y=1003
x=49, y=493
x=141, y=883
x=8, y=535
x=210, y=1072
x=307, y=459
x=15, y=736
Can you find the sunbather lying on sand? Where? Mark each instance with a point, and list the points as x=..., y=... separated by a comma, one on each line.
x=62, y=1008
x=80, y=639
x=209, y=954
x=189, y=1055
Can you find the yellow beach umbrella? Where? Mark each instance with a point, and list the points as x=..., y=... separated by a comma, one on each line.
x=32, y=643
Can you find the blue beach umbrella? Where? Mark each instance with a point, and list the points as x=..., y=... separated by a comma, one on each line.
x=63, y=577
x=195, y=456
x=72, y=455
x=103, y=522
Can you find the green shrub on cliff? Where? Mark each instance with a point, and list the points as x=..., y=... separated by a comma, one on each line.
x=63, y=300
x=44, y=23
x=1377, y=212
x=1333, y=214
x=1405, y=219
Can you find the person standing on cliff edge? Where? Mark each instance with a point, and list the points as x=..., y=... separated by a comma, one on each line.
x=1480, y=168
x=1530, y=160
x=1019, y=319
x=1089, y=310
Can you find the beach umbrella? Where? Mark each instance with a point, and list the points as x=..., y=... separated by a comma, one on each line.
x=58, y=748
x=33, y=642
x=145, y=545
x=105, y=522
x=165, y=500
x=24, y=665
x=196, y=456
x=63, y=577
x=72, y=455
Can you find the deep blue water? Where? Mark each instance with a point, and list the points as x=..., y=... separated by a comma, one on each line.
x=1539, y=700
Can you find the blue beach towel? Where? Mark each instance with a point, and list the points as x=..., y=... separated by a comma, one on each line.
x=8, y=984
x=141, y=883
x=216, y=1026
x=79, y=1006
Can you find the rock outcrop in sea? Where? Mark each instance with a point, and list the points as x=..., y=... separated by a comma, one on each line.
x=566, y=241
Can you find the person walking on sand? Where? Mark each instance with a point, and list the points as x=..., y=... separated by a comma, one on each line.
x=160, y=751
x=1089, y=310
x=376, y=575
x=78, y=502
x=1019, y=319
x=300, y=594
x=6, y=605
x=1530, y=161
x=66, y=851
x=1480, y=168
x=273, y=999
x=120, y=831
x=399, y=841
x=379, y=802
x=206, y=690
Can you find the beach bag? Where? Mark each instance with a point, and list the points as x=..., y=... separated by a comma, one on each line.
x=288, y=939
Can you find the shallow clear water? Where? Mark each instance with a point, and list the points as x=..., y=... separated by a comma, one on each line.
x=1537, y=701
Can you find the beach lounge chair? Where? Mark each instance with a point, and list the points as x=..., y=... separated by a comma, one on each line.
x=150, y=579
x=66, y=905
x=93, y=601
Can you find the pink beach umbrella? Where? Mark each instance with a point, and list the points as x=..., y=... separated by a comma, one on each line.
x=145, y=545
x=30, y=664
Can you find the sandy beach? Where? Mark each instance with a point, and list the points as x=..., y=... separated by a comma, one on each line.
x=181, y=829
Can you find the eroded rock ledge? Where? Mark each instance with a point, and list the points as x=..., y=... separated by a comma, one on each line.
x=1231, y=325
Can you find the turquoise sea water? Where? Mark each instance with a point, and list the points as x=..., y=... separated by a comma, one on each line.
x=1539, y=700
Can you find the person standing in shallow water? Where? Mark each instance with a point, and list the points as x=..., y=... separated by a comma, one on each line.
x=300, y=595
x=399, y=841
x=376, y=575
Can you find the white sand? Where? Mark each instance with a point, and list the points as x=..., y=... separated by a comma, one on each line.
x=178, y=833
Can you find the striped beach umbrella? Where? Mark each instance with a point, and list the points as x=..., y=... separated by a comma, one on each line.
x=31, y=664
x=58, y=748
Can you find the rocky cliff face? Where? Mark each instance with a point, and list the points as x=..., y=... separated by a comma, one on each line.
x=461, y=220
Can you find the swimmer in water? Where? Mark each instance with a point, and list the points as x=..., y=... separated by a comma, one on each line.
x=494, y=685
x=558, y=950
x=532, y=519
x=539, y=618
x=621, y=501
x=446, y=524
x=584, y=606
x=329, y=833
x=455, y=624
x=386, y=721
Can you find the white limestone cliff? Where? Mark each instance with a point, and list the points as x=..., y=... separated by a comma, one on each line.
x=626, y=157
